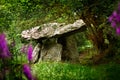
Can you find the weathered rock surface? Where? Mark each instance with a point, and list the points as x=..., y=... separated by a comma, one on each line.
x=36, y=53
x=51, y=30
x=69, y=52
x=54, y=43
x=51, y=51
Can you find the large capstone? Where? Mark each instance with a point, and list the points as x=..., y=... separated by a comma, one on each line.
x=56, y=41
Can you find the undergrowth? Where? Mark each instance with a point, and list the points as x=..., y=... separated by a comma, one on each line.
x=67, y=71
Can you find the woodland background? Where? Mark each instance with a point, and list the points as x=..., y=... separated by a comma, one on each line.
x=98, y=45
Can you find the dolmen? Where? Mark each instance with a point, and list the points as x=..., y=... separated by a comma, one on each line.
x=55, y=41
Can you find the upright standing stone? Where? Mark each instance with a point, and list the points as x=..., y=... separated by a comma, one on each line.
x=69, y=52
x=51, y=51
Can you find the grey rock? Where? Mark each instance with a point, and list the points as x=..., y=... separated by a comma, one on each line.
x=56, y=43
x=51, y=30
x=51, y=51
x=70, y=52
x=36, y=53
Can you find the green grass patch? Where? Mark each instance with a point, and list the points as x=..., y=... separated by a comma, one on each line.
x=67, y=71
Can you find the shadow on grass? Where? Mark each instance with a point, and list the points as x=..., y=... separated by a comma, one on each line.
x=112, y=72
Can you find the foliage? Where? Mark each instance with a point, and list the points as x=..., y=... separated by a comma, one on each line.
x=82, y=42
x=6, y=17
x=17, y=15
x=11, y=61
x=67, y=71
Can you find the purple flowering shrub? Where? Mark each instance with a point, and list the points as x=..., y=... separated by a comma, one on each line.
x=27, y=49
x=27, y=72
x=29, y=53
x=4, y=51
x=114, y=19
x=9, y=67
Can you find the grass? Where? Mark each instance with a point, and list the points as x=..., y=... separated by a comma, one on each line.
x=67, y=71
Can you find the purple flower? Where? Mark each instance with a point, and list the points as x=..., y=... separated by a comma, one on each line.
x=115, y=14
x=114, y=17
x=4, y=51
x=113, y=24
x=110, y=18
x=118, y=18
x=29, y=52
x=115, y=20
x=27, y=72
x=118, y=31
